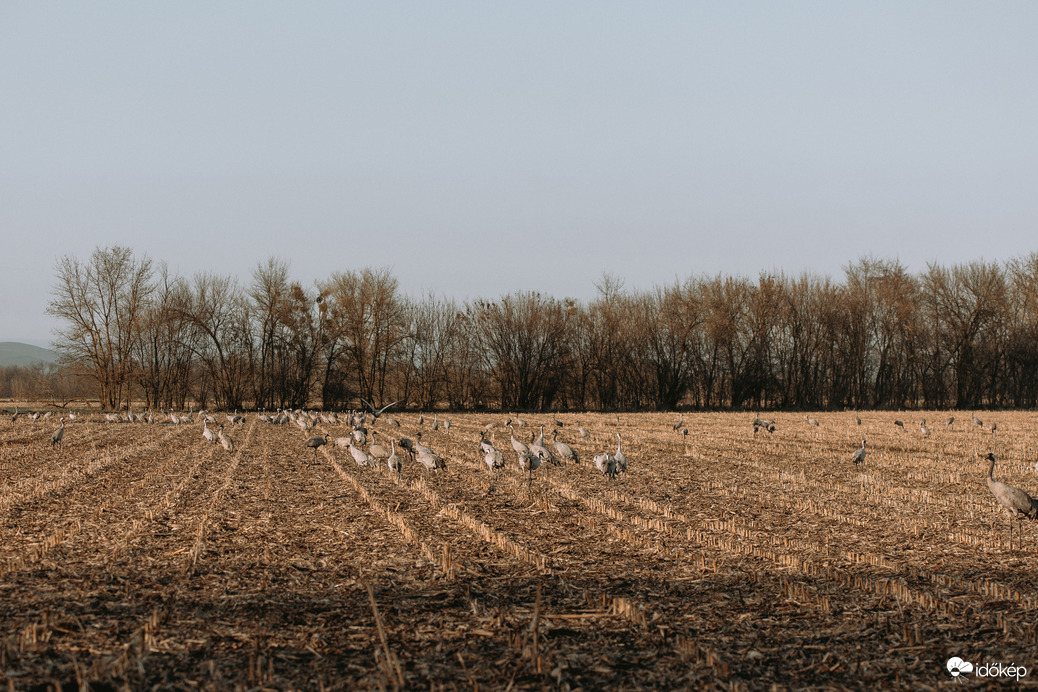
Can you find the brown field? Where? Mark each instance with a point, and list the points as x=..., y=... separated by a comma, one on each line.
x=139, y=556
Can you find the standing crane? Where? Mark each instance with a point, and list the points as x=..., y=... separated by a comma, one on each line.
x=430, y=459
x=923, y=429
x=528, y=463
x=395, y=464
x=485, y=445
x=377, y=451
x=207, y=433
x=494, y=459
x=360, y=456
x=859, y=455
x=681, y=421
x=564, y=450
x=225, y=440
x=1016, y=502
x=518, y=446
x=605, y=463
x=315, y=442
x=58, y=434
x=538, y=448
x=621, y=460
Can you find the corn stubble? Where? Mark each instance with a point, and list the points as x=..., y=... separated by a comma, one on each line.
x=142, y=556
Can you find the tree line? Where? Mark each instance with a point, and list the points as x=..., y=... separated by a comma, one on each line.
x=964, y=336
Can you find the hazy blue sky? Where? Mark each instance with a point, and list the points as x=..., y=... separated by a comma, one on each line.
x=479, y=148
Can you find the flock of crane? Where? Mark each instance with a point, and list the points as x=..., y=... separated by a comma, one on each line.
x=1016, y=502
x=530, y=455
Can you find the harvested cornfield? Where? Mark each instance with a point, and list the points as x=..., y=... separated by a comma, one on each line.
x=136, y=556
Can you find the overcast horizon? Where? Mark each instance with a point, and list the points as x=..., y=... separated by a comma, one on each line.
x=476, y=150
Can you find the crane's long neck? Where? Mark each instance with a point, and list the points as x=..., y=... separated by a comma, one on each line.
x=991, y=468
x=617, y=443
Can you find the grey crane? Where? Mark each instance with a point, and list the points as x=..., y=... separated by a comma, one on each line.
x=681, y=421
x=857, y=418
x=419, y=448
x=430, y=459
x=621, y=460
x=859, y=455
x=15, y=416
x=436, y=422
x=55, y=438
x=923, y=429
x=978, y=422
x=605, y=463
x=582, y=430
x=407, y=445
x=315, y=442
x=1016, y=502
x=899, y=424
x=376, y=413
x=528, y=463
x=207, y=433
x=494, y=459
x=394, y=462
x=762, y=424
x=225, y=440
x=377, y=451
x=518, y=446
x=811, y=421
x=564, y=450
x=485, y=445
x=759, y=425
x=543, y=452
x=951, y=419
x=360, y=456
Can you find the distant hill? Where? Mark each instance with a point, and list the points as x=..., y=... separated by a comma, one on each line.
x=14, y=353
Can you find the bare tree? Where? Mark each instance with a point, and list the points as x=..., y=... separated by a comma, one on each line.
x=367, y=329
x=102, y=302
x=222, y=341
x=523, y=338
x=673, y=316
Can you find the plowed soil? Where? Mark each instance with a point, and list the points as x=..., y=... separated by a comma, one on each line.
x=137, y=556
